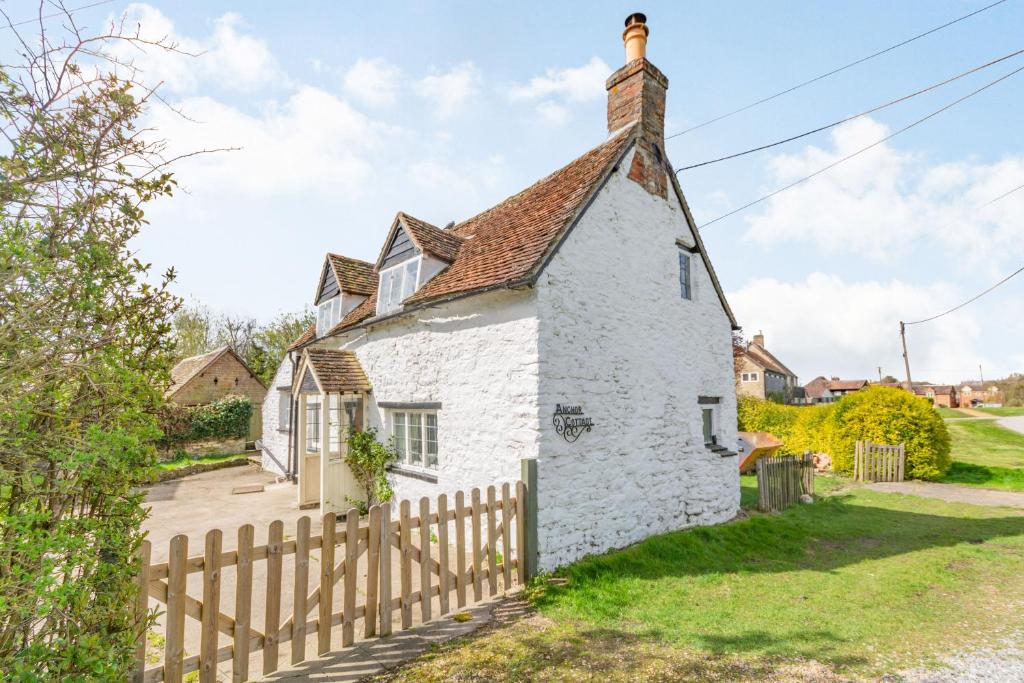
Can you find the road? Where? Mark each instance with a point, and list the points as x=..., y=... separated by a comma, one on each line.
x=1015, y=423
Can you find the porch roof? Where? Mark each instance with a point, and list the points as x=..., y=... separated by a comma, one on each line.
x=337, y=370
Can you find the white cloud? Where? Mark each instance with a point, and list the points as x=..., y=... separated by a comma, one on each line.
x=826, y=326
x=227, y=58
x=552, y=113
x=451, y=89
x=373, y=81
x=574, y=84
x=311, y=142
x=882, y=203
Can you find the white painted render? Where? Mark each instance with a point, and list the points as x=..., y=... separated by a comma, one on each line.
x=274, y=441
x=617, y=339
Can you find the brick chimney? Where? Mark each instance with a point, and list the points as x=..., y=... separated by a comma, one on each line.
x=759, y=339
x=636, y=93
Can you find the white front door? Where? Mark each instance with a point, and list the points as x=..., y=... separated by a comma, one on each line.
x=338, y=488
x=311, y=409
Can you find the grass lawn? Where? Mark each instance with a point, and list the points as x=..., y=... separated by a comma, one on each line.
x=179, y=463
x=986, y=455
x=1003, y=412
x=949, y=413
x=855, y=585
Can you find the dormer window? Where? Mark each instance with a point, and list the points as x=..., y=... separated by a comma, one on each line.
x=397, y=284
x=328, y=315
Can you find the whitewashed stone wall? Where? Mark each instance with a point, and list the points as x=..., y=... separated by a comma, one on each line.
x=617, y=338
x=275, y=441
x=477, y=357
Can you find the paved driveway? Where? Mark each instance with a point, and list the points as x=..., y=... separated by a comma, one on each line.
x=1015, y=423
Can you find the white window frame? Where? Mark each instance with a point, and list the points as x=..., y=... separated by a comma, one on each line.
x=398, y=275
x=400, y=421
x=685, y=283
x=284, y=409
x=749, y=377
x=711, y=410
x=313, y=427
x=328, y=314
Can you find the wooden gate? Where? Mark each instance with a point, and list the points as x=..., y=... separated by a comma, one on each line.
x=782, y=480
x=354, y=558
x=878, y=462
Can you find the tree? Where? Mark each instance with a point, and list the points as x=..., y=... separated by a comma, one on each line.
x=273, y=340
x=194, y=331
x=889, y=379
x=368, y=460
x=84, y=353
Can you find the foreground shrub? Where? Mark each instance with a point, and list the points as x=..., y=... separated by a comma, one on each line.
x=891, y=416
x=801, y=428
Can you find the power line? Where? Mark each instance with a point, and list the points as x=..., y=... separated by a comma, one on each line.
x=834, y=71
x=61, y=14
x=863, y=149
x=972, y=299
x=855, y=116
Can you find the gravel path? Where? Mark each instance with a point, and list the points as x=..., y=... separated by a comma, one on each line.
x=952, y=493
x=1015, y=423
x=995, y=665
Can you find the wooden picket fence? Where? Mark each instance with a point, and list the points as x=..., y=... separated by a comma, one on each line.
x=341, y=550
x=782, y=480
x=879, y=462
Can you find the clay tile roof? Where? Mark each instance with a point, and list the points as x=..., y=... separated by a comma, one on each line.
x=337, y=370
x=507, y=243
x=187, y=368
x=767, y=360
x=847, y=384
x=432, y=239
x=304, y=338
x=353, y=275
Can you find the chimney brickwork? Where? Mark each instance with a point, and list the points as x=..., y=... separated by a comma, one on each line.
x=636, y=94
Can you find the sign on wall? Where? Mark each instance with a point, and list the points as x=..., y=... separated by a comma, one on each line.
x=570, y=422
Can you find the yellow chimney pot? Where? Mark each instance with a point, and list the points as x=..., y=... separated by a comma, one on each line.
x=635, y=37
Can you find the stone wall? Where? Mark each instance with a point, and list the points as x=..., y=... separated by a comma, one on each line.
x=274, y=439
x=617, y=339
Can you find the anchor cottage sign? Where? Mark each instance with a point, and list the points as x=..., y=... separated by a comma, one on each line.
x=570, y=422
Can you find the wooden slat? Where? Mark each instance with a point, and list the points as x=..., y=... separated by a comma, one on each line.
x=506, y=535
x=243, y=604
x=351, y=577
x=174, y=644
x=275, y=543
x=211, y=607
x=478, y=592
x=460, y=549
x=384, y=585
x=145, y=553
x=521, y=532
x=327, y=579
x=372, y=572
x=443, y=586
x=405, y=541
x=424, y=559
x=301, y=590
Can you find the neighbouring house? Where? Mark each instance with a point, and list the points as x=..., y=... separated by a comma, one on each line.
x=978, y=393
x=826, y=390
x=943, y=395
x=579, y=323
x=208, y=377
x=761, y=375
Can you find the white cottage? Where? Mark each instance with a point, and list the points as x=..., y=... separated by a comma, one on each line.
x=578, y=322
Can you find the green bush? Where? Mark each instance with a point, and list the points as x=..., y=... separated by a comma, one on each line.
x=758, y=415
x=891, y=416
x=227, y=418
x=368, y=460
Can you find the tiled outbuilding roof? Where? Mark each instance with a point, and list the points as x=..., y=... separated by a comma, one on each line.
x=353, y=275
x=337, y=370
x=187, y=368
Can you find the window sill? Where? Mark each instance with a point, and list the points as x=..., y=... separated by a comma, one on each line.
x=414, y=473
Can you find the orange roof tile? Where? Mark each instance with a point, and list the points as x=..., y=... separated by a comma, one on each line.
x=353, y=275
x=337, y=370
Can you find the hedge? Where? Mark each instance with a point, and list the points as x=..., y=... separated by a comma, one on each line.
x=879, y=414
x=227, y=418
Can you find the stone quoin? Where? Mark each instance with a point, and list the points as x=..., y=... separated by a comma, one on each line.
x=587, y=302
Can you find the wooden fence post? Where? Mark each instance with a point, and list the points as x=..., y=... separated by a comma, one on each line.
x=327, y=544
x=492, y=541
x=460, y=549
x=372, y=573
x=405, y=548
x=211, y=607
x=243, y=604
x=272, y=624
x=142, y=610
x=529, y=554
x=443, y=586
x=506, y=533
x=384, y=585
x=425, y=581
x=301, y=590
x=174, y=644
x=348, y=620
x=478, y=592
x=521, y=532
x=903, y=460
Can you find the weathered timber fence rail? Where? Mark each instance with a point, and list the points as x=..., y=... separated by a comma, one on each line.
x=363, y=588
x=782, y=480
x=879, y=462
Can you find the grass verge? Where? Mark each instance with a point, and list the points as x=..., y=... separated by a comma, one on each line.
x=986, y=455
x=182, y=462
x=949, y=413
x=1003, y=412
x=855, y=585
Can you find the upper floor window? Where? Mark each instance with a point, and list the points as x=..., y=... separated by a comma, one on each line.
x=328, y=315
x=397, y=284
x=685, y=285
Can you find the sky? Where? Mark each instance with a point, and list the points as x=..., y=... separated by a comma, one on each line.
x=339, y=115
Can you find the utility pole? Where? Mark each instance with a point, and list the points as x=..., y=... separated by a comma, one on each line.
x=981, y=374
x=906, y=358
x=879, y=374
